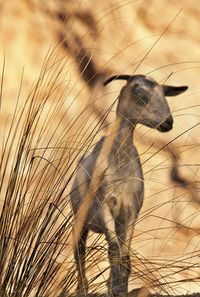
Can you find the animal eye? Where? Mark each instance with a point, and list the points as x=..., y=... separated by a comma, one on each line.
x=135, y=87
x=144, y=99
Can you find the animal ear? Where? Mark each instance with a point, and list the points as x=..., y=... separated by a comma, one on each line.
x=173, y=91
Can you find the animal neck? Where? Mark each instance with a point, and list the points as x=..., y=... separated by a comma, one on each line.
x=125, y=133
x=123, y=143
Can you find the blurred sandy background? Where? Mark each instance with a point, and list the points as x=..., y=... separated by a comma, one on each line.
x=115, y=36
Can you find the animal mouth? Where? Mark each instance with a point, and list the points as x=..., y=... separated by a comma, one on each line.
x=165, y=127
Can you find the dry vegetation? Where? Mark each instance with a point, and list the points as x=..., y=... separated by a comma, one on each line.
x=54, y=57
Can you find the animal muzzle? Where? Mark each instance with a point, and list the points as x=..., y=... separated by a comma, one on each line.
x=167, y=125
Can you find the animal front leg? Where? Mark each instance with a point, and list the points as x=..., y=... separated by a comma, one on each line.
x=114, y=282
x=79, y=255
x=114, y=254
x=125, y=234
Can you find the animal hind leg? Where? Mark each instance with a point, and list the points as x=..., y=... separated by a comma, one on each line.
x=79, y=255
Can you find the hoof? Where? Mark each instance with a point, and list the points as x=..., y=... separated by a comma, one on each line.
x=116, y=292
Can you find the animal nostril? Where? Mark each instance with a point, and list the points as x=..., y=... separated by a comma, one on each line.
x=170, y=120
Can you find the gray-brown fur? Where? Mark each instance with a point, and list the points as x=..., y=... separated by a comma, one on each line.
x=117, y=203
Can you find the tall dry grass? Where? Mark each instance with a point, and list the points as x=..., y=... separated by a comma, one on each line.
x=50, y=117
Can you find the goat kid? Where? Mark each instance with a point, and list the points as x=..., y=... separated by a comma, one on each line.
x=119, y=198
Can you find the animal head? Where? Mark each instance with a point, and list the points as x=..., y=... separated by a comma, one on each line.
x=142, y=100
